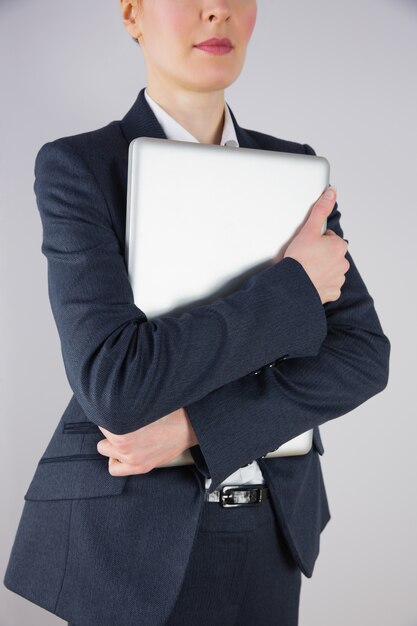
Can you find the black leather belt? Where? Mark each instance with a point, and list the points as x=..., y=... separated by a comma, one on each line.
x=238, y=495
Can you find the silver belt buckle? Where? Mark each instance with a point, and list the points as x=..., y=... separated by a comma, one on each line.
x=225, y=495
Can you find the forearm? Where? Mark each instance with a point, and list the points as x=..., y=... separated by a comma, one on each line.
x=254, y=415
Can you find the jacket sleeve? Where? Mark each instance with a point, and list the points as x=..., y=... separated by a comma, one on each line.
x=246, y=419
x=124, y=370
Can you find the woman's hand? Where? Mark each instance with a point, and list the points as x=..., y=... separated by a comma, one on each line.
x=142, y=450
x=322, y=256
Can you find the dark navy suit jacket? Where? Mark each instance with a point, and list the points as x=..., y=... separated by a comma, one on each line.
x=253, y=370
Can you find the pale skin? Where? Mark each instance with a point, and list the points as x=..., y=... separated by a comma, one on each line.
x=189, y=84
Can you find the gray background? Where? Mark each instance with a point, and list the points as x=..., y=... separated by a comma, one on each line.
x=340, y=76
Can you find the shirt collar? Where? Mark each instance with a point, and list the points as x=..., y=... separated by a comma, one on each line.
x=174, y=130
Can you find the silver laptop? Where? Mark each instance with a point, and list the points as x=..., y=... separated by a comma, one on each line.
x=201, y=218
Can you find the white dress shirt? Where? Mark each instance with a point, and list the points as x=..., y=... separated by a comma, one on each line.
x=251, y=473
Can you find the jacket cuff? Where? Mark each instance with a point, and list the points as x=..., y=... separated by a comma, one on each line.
x=306, y=320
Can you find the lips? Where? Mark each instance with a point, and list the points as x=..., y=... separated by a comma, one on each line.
x=216, y=42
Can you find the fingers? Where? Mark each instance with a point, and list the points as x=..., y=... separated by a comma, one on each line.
x=105, y=448
x=119, y=468
x=116, y=457
x=119, y=463
x=321, y=210
x=344, y=244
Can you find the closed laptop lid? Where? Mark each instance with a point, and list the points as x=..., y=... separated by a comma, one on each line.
x=199, y=216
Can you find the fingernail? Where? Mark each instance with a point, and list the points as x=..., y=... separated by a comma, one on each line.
x=329, y=195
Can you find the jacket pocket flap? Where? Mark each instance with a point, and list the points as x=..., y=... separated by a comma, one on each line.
x=73, y=477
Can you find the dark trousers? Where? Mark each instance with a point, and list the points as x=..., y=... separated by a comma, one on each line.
x=240, y=572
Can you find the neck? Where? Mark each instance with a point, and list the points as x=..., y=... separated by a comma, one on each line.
x=201, y=113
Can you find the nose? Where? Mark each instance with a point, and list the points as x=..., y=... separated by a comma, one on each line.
x=218, y=10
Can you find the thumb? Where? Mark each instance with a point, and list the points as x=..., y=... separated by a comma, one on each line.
x=321, y=210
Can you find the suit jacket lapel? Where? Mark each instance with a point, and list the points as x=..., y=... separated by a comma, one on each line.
x=140, y=121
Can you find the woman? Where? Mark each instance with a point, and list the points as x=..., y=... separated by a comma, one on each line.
x=106, y=535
